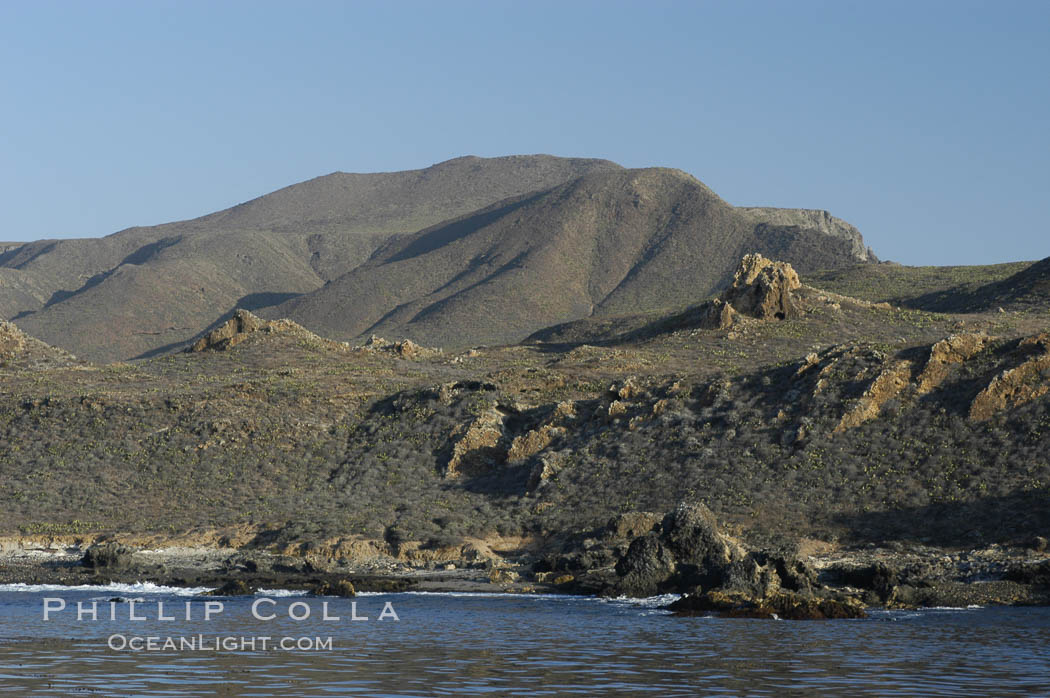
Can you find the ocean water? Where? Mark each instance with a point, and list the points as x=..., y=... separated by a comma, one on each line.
x=494, y=645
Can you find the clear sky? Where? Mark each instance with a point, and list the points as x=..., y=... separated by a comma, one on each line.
x=923, y=123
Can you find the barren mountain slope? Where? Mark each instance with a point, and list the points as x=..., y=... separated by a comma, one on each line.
x=608, y=243
x=143, y=289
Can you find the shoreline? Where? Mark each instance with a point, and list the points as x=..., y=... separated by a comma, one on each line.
x=870, y=579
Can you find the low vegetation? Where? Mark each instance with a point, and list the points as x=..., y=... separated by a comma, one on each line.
x=829, y=424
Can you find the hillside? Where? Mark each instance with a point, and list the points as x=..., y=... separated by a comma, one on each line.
x=845, y=421
x=605, y=244
x=19, y=351
x=144, y=290
x=1026, y=290
x=959, y=288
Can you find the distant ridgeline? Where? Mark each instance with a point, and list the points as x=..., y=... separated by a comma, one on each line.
x=467, y=252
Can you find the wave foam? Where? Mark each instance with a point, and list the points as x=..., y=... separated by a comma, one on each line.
x=647, y=602
x=276, y=593
x=136, y=588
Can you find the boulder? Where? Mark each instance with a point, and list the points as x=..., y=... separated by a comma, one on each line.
x=719, y=315
x=646, y=569
x=692, y=534
x=107, y=556
x=339, y=587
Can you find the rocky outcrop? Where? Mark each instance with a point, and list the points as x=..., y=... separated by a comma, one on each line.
x=1017, y=386
x=547, y=467
x=476, y=444
x=19, y=349
x=763, y=289
x=693, y=535
x=532, y=442
x=337, y=587
x=891, y=379
x=821, y=221
x=107, y=556
x=887, y=385
x=12, y=340
x=689, y=551
x=245, y=324
x=950, y=350
x=405, y=349
x=647, y=569
x=781, y=606
x=230, y=333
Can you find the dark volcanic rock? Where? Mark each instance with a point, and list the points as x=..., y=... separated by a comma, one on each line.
x=783, y=605
x=794, y=574
x=690, y=554
x=691, y=532
x=108, y=556
x=234, y=587
x=338, y=587
x=1032, y=573
x=646, y=569
x=878, y=577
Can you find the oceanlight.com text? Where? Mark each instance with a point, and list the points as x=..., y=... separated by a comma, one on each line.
x=217, y=643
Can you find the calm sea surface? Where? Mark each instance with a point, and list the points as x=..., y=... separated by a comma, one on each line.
x=454, y=644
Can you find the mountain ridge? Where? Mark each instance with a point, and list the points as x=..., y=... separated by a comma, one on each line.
x=129, y=293
x=631, y=241
x=606, y=243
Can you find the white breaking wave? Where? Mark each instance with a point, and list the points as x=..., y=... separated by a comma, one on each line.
x=647, y=602
x=479, y=594
x=136, y=588
x=280, y=592
x=651, y=602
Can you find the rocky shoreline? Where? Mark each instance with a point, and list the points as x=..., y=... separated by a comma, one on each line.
x=636, y=555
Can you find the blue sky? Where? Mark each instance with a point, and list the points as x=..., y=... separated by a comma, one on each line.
x=923, y=123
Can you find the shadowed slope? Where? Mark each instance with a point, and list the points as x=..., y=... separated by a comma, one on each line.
x=1028, y=289
x=143, y=289
x=608, y=243
x=967, y=289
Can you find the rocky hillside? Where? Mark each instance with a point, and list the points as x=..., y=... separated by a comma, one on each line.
x=614, y=241
x=791, y=412
x=1028, y=290
x=808, y=219
x=1014, y=286
x=606, y=244
x=147, y=289
x=19, y=351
